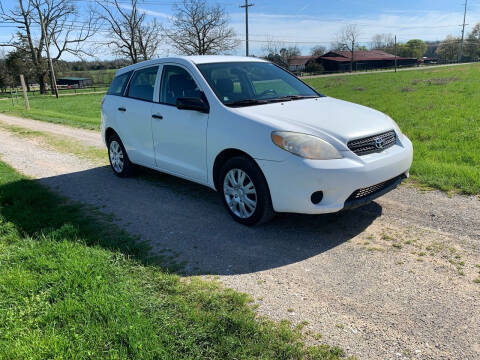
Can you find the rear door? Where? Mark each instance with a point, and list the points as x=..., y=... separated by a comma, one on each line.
x=135, y=122
x=113, y=101
x=180, y=136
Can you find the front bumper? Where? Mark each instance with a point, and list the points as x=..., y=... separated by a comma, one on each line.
x=292, y=182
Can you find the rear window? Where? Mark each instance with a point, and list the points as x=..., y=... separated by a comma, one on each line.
x=117, y=87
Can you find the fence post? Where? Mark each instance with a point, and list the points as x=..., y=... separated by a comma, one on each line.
x=24, y=89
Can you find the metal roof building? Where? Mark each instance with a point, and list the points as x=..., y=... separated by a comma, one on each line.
x=362, y=60
x=74, y=82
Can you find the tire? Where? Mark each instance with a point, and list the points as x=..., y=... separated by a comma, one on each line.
x=119, y=161
x=248, y=202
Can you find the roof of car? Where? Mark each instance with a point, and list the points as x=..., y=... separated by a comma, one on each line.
x=199, y=59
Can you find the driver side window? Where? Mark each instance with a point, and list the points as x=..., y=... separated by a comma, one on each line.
x=177, y=83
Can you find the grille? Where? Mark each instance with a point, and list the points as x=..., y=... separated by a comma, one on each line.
x=373, y=144
x=374, y=189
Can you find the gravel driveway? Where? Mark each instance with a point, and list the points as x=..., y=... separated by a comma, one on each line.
x=392, y=280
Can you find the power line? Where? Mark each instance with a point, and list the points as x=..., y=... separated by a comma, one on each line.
x=460, y=54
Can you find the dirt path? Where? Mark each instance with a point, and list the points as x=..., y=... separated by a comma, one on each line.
x=393, y=280
x=87, y=137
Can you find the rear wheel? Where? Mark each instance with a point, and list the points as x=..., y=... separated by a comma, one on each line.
x=245, y=192
x=118, y=157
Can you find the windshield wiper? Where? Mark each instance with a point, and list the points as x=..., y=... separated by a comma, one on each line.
x=294, y=97
x=247, y=102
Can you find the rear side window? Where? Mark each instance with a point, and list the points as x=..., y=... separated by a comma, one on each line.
x=118, y=84
x=143, y=83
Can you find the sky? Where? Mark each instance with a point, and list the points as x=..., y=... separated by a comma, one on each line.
x=308, y=23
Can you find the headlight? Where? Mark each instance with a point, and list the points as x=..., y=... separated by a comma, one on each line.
x=306, y=146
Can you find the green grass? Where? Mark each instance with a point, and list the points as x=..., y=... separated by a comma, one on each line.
x=438, y=109
x=74, y=286
x=77, y=110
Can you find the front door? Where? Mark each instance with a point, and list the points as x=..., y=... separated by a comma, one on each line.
x=180, y=136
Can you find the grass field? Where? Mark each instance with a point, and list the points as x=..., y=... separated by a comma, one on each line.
x=74, y=286
x=438, y=108
x=75, y=110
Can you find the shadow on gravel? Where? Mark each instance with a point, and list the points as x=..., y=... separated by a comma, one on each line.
x=189, y=221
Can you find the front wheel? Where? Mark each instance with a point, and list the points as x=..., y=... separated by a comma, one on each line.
x=118, y=157
x=245, y=192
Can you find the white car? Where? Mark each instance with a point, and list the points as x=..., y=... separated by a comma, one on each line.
x=254, y=132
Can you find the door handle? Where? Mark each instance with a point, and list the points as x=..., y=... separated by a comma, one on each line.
x=156, y=116
x=122, y=109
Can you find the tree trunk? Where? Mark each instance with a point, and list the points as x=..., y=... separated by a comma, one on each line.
x=41, y=82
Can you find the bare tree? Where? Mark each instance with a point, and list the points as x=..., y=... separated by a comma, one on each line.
x=472, y=48
x=63, y=28
x=272, y=46
x=383, y=42
x=200, y=29
x=271, y=51
x=132, y=36
x=348, y=40
x=318, y=50
x=448, y=48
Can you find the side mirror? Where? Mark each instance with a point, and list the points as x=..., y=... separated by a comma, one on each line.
x=195, y=104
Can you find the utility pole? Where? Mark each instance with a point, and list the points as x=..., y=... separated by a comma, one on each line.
x=53, y=80
x=460, y=54
x=396, y=53
x=246, y=6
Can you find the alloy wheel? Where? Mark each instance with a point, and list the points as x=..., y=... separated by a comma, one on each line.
x=116, y=156
x=240, y=193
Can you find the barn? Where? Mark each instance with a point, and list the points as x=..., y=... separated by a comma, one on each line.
x=339, y=61
x=74, y=82
x=298, y=64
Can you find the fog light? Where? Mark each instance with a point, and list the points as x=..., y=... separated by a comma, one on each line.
x=317, y=197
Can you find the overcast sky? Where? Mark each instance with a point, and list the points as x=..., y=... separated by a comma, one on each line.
x=307, y=23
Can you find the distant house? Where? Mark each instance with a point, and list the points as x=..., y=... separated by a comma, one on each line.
x=363, y=60
x=74, y=82
x=298, y=64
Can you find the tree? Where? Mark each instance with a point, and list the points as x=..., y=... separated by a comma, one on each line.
x=132, y=36
x=276, y=52
x=289, y=52
x=63, y=28
x=448, y=49
x=318, y=50
x=314, y=67
x=384, y=42
x=348, y=40
x=200, y=29
x=415, y=48
x=472, y=46
x=5, y=78
x=18, y=62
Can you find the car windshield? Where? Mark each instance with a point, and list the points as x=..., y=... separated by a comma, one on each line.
x=253, y=83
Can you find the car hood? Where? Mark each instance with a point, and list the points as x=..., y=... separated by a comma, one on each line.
x=325, y=117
